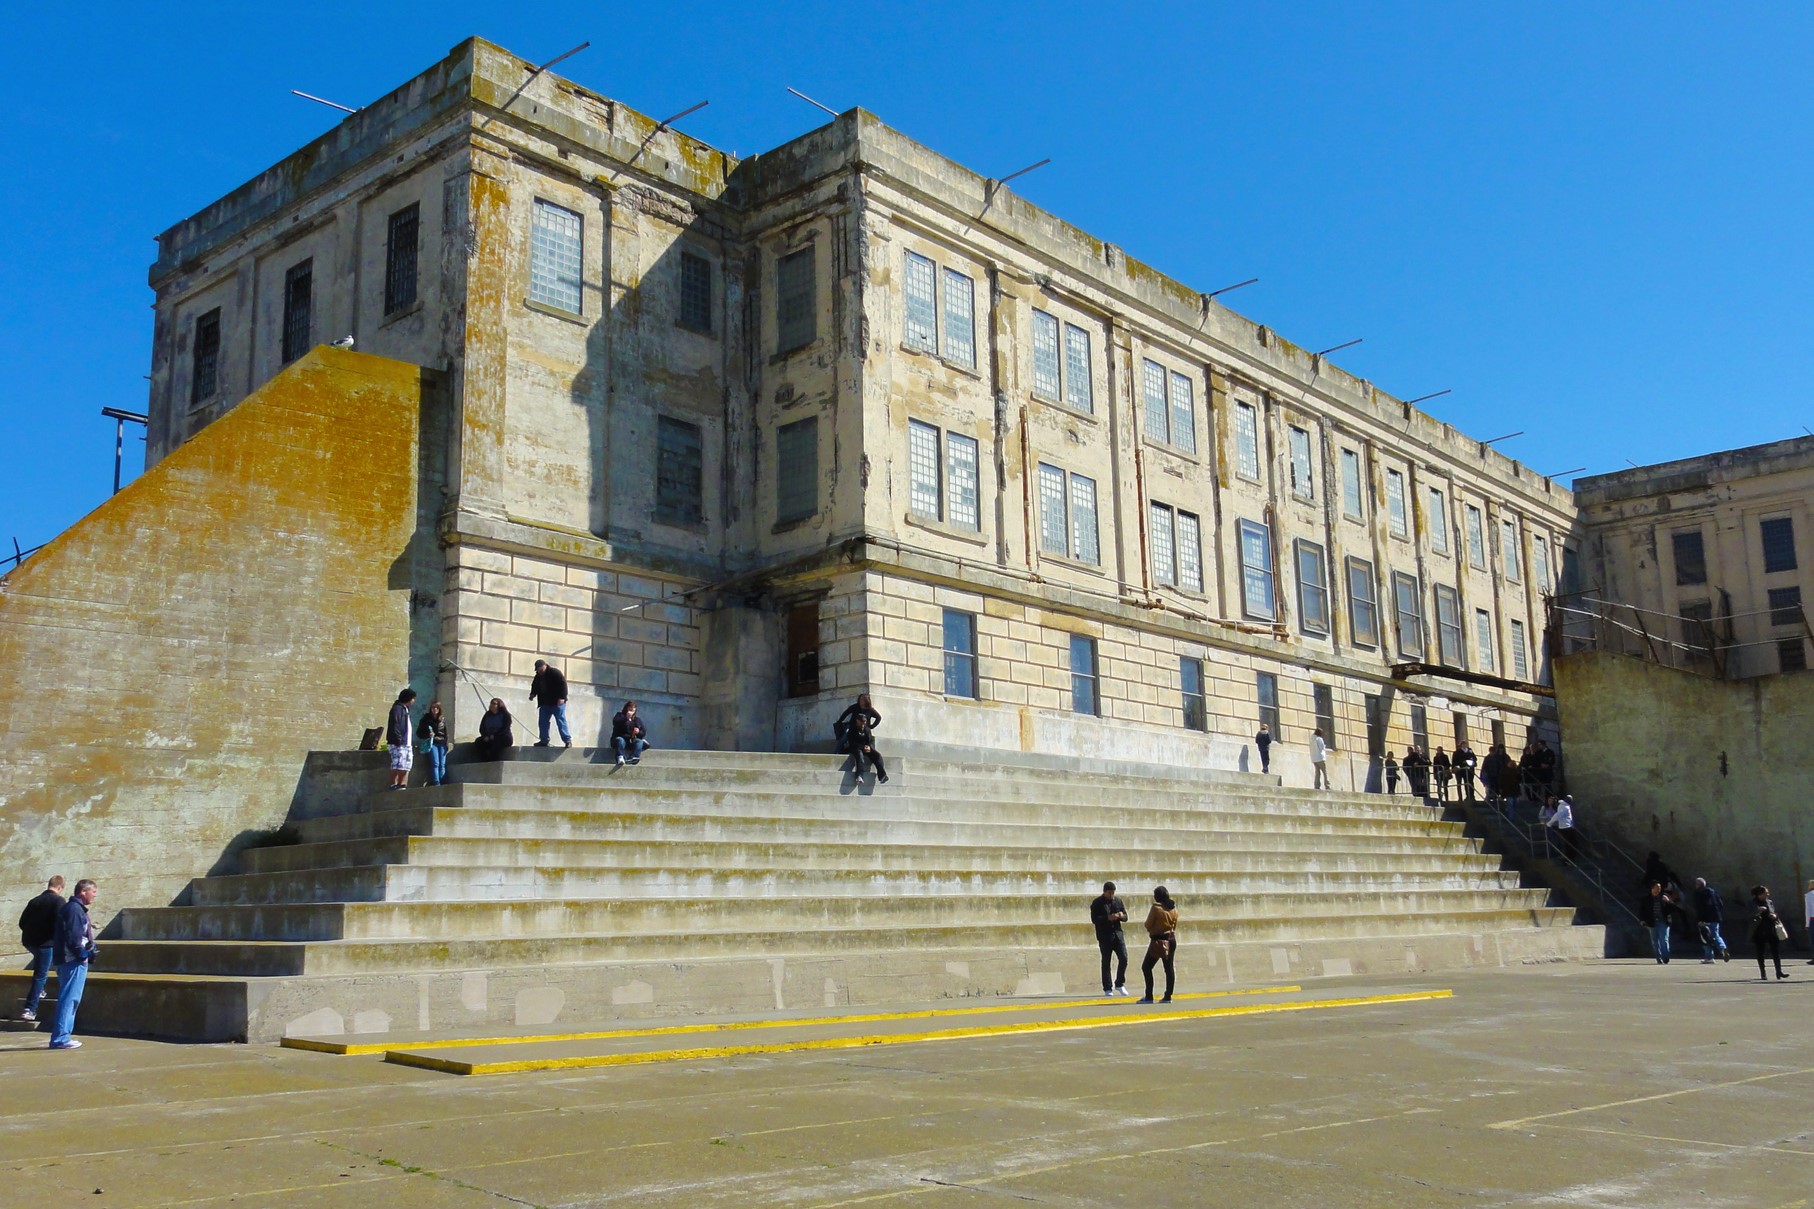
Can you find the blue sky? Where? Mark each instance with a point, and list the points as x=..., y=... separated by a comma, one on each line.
x=1591, y=222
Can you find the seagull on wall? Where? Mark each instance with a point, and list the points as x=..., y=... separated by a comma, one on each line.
x=344, y=342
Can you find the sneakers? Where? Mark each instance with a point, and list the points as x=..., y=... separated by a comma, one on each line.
x=636, y=759
x=29, y=1014
x=543, y=743
x=1146, y=999
x=1122, y=991
x=566, y=742
x=1706, y=961
x=71, y=1043
x=881, y=778
x=620, y=760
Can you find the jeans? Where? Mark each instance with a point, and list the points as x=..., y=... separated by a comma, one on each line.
x=1113, y=945
x=71, y=978
x=437, y=764
x=1266, y=758
x=1321, y=778
x=629, y=747
x=1162, y=949
x=559, y=714
x=1659, y=940
x=41, y=965
x=1711, y=940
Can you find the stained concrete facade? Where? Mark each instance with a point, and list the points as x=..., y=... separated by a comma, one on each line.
x=1079, y=415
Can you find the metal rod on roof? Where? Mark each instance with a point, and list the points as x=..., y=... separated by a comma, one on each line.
x=810, y=101
x=557, y=58
x=309, y=96
x=1508, y=436
x=1004, y=180
x=1225, y=289
x=666, y=122
x=1560, y=473
x=1434, y=395
x=121, y=418
x=1338, y=348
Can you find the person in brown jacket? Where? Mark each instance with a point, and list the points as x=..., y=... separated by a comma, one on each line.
x=1162, y=927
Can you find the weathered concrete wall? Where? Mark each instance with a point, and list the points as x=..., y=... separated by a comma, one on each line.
x=167, y=662
x=1715, y=775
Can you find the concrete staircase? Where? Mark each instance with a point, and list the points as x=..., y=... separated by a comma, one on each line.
x=556, y=889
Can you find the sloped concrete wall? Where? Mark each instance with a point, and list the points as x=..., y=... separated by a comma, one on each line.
x=167, y=662
x=1716, y=775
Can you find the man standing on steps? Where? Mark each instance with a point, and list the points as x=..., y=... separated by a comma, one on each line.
x=400, y=737
x=1108, y=914
x=1263, y=742
x=38, y=933
x=1709, y=913
x=549, y=691
x=1464, y=771
x=1319, y=756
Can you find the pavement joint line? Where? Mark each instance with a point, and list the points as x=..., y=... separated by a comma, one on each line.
x=402, y=1056
x=1664, y=1095
x=1761, y=1147
x=353, y=1048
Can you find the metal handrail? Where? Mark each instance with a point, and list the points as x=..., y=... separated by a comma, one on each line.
x=1538, y=842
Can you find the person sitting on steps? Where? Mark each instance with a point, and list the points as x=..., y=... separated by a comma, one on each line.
x=628, y=735
x=855, y=731
x=495, y=737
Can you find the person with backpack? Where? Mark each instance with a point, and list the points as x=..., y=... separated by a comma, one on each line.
x=38, y=933
x=1162, y=942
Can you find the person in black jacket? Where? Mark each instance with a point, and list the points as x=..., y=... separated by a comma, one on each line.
x=1108, y=913
x=1763, y=932
x=433, y=732
x=1441, y=767
x=38, y=933
x=549, y=691
x=1262, y=743
x=1464, y=763
x=855, y=731
x=1709, y=913
x=628, y=735
x=400, y=737
x=74, y=946
x=495, y=737
x=1658, y=910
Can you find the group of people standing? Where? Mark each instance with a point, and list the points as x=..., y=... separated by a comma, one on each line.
x=1662, y=911
x=1108, y=913
x=56, y=931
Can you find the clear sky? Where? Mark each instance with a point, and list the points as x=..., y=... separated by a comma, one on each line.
x=1590, y=221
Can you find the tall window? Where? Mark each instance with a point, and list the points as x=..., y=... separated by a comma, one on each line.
x=1171, y=412
x=1785, y=606
x=400, y=257
x=960, y=319
x=1190, y=684
x=1177, y=547
x=1476, y=539
x=1439, y=521
x=1303, y=484
x=1266, y=690
x=1521, y=666
x=1448, y=628
x=1396, y=517
x=1778, y=535
x=1483, y=639
x=1540, y=579
x=1247, y=441
x=555, y=257
x=1509, y=532
x=695, y=313
x=1377, y=718
x=1061, y=374
x=1420, y=728
x=679, y=473
x=204, y=357
x=797, y=470
x=1363, y=608
x=1407, y=601
x=1353, y=486
x=944, y=482
x=1256, y=572
x=1067, y=514
x=1313, y=589
x=1697, y=624
x=1084, y=677
x=920, y=291
x=1323, y=697
x=796, y=300
x=960, y=654
x=1792, y=655
x=298, y=309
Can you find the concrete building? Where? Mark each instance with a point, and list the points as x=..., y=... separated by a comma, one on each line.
x=740, y=438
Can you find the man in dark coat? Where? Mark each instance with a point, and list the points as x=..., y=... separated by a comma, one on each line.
x=38, y=933
x=400, y=737
x=1465, y=764
x=1709, y=914
x=74, y=946
x=1262, y=743
x=1108, y=913
x=1441, y=767
x=549, y=691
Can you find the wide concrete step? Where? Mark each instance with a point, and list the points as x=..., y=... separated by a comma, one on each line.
x=463, y=920
x=633, y=852
x=452, y=883
x=356, y=956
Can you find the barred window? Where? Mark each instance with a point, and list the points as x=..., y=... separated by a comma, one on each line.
x=1256, y=571
x=1303, y=483
x=204, y=357
x=1078, y=392
x=921, y=305
x=1190, y=553
x=1184, y=413
x=1785, y=606
x=1408, y=603
x=1792, y=655
x=796, y=300
x=1313, y=589
x=1448, y=627
x=1439, y=521
x=1520, y=656
x=1190, y=687
x=1353, y=486
x=1165, y=564
x=1067, y=514
x=1363, y=611
x=797, y=470
x=961, y=480
x=695, y=293
x=1484, y=642
x=1778, y=534
x=1045, y=355
x=927, y=496
x=400, y=258
x=1247, y=441
x=960, y=321
x=298, y=310
x=555, y=246
x=943, y=488
x=1396, y=519
x=1177, y=553
x=1153, y=387
x=1083, y=520
x=1170, y=406
x=1509, y=530
x=679, y=473
x=1476, y=540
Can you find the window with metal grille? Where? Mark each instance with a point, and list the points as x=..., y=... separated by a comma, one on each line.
x=1257, y=599
x=1513, y=564
x=1165, y=566
x=927, y=496
x=1247, y=441
x=1323, y=698
x=1448, y=627
x=1067, y=380
x=1439, y=521
x=298, y=309
x=1152, y=378
x=797, y=470
x=1540, y=579
x=1396, y=518
x=1521, y=659
x=960, y=654
x=1266, y=693
x=1363, y=607
x=1045, y=356
x=1420, y=728
x=1085, y=680
x=1697, y=624
x=921, y=304
x=1184, y=413
x=1785, y=606
x=1083, y=520
x=1792, y=655
x=1483, y=640
x=204, y=357
x=1313, y=589
x=695, y=293
x=555, y=247
x=1177, y=553
x=960, y=481
x=1476, y=539
x=679, y=473
x=960, y=319
x=1190, y=686
x=942, y=489
x=1078, y=392
x=400, y=258
x=1190, y=552
x=1353, y=486
x=1407, y=599
x=796, y=300
x=1067, y=514
x=1303, y=482
x=1778, y=535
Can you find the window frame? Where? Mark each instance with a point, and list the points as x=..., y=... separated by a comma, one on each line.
x=784, y=516
x=948, y=484
x=1087, y=681
x=1070, y=389
x=1400, y=581
x=1074, y=546
x=298, y=321
x=959, y=657
x=1171, y=384
x=1438, y=511
x=1253, y=575
x=1486, y=640
x=664, y=513
x=547, y=225
x=1450, y=629
x=1511, y=550
x=1193, y=702
x=1368, y=600
x=1354, y=486
x=1305, y=490
x=1247, y=440
x=1398, y=505
x=1266, y=699
x=1184, y=555
x=1475, y=520
x=691, y=312
x=1309, y=591
x=401, y=266
x=1521, y=656
x=1322, y=697
x=1783, y=610
x=1778, y=556
x=796, y=300
x=206, y=322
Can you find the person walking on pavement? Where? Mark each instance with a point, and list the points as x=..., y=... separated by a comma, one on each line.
x=549, y=691
x=433, y=729
x=1767, y=932
x=1162, y=943
x=1108, y=913
x=1262, y=743
x=400, y=737
x=1656, y=911
x=629, y=737
x=1709, y=913
x=1465, y=764
x=1319, y=757
x=38, y=933
x=74, y=950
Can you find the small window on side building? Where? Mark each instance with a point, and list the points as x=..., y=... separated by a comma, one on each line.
x=960, y=654
x=1778, y=534
x=1190, y=686
x=797, y=470
x=401, y=255
x=796, y=300
x=695, y=311
x=679, y=473
x=204, y=358
x=298, y=310
x=1085, y=678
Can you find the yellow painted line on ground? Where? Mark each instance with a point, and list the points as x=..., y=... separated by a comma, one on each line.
x=453, y=1066
x=382, y=1047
